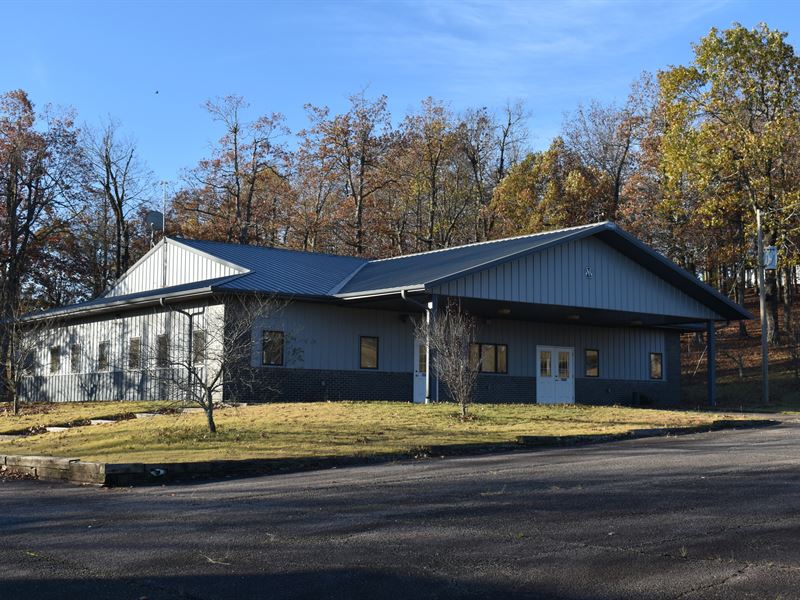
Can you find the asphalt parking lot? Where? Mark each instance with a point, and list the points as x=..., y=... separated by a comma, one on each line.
x=713, y=515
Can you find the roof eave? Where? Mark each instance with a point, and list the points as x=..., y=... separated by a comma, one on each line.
x=131, y=304
x=738, y=312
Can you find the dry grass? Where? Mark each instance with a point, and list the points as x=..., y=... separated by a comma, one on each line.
x=294, y=430
x=43, y=414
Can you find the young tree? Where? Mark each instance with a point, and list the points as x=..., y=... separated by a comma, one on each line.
x=214, y=345
x=449, y=334
x=27, y=337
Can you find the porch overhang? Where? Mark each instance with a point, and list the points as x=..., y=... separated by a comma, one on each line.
x=550, y=313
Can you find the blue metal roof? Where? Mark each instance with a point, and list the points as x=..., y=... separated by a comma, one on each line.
x=308, y=274
x=278, y=270
x=126, y=300
x=419, y=269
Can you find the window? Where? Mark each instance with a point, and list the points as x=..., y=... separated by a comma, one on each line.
x=75, y=358
x=656, y=370
x=55, y=359
x=502, y=358
x=162, y=351
x=135, y=353
x=369, y=352
x=29, y=363
x=563, y=365
x=488, y=358
x=474, y=357
x=545, y=364
x=198, y=347
x=591, y=363
x=422, y=364
x=103, y=356
x=272, y=348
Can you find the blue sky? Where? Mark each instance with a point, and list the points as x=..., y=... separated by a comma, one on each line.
x=110, y=58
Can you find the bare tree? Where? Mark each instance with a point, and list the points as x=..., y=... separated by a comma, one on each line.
x=239, y=194
x=449, y=334
x=214, y=346
x=606, y=139
x=27, y=337
x=121, y=182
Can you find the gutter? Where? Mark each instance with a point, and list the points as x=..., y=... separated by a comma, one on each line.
x=114, y=306
x=382, y=292
x=424, y=307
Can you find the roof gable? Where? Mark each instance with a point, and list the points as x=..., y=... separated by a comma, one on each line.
x=422, y=269
x=279, y=270
x=168, y=264
x=581, y=273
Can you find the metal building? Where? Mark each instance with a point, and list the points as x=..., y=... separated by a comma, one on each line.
x=586, y=314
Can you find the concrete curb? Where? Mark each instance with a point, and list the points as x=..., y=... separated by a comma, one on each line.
x=74, y=470
x=718, y=425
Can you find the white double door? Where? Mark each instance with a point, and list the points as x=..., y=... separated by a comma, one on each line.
x=555, y=375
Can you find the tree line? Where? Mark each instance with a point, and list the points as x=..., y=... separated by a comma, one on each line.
x=683, y=163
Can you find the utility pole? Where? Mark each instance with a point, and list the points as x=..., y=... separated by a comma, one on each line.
x=762, y=300
x=164, y=193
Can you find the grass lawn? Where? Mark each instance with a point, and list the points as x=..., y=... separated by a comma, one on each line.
x=36, y=415
x=295, y=430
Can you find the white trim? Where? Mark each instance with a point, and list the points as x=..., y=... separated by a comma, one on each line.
x=417, y=287
x=242, y=270
x=125, y=275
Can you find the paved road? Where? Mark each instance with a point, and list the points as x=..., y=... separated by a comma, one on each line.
x=706, y=516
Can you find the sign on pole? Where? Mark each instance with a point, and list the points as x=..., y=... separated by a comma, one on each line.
x=770, y=258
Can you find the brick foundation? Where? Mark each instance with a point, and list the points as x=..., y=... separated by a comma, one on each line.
x=310, y=385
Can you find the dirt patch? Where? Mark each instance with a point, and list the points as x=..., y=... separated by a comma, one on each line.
x=26, y=408
x=6, y=475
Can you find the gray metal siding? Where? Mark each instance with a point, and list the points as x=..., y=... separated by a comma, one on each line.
x=183, y=266
x=624, y=352
x=557, y=276
x=325, y=337
x=321, y=336
x=417, y=269
x=118, y=382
